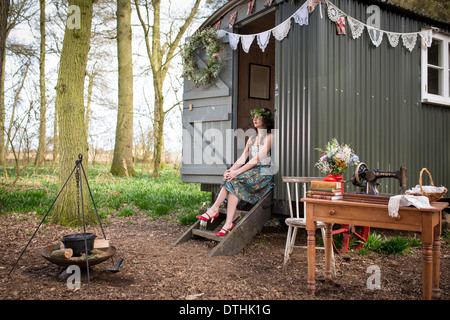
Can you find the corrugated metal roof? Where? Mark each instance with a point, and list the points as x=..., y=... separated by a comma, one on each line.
x=222, y=11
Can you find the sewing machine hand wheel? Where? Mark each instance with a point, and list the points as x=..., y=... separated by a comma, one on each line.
x=359, y=177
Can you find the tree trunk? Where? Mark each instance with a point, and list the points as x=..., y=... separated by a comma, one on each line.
x=2, y=116
x=160, y=57
x=70, y=104
x=4, y=9
x=89, y=100
x=55, y=138
x=158, y=128
x=123, y=149
x=40, y=154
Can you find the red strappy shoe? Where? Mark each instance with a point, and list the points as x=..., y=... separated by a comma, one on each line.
x=201, y=217
x=223, y=232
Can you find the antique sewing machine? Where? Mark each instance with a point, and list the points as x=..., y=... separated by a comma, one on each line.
x=367, y=179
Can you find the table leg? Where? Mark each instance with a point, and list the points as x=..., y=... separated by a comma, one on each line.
x=427, y=255
x=436, y=292
x=328, y=250
x=311, y=247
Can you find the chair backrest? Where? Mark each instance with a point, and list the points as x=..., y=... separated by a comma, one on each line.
x=297, y=211
x=295, y=182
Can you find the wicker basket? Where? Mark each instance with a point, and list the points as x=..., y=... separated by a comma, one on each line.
x=431, y=196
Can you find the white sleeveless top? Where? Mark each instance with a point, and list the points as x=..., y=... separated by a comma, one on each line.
x=262, y=162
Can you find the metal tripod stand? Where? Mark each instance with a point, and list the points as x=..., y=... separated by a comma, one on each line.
x=78, y=168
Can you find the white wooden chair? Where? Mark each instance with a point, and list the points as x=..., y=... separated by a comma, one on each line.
x=295, y=221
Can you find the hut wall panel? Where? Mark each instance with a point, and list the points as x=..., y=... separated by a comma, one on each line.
x=331, y=85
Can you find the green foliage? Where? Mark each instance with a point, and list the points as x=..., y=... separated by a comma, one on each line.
x=395, y=245
x=207, y=40
x=122, y=196
x=187, y=219
x=374, y=242
x=446, y=234
x=438, y=9
x=127, y=211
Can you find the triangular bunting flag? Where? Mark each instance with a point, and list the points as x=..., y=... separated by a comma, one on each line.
x=375, y=35
x=393, y=38
x=246, y=41
x=409, y=40
x=340, y=25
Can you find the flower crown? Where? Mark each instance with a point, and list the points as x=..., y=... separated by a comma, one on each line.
x=261, y=113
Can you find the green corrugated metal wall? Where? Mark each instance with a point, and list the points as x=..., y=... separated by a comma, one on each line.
x=330, y=85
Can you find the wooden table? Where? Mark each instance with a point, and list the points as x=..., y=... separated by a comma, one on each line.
x=426, y=221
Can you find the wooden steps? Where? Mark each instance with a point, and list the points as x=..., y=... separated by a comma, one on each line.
x=247, y=224
x=211, y=235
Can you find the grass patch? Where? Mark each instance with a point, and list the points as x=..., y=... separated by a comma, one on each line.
x=396, y=245
x=127, y=211
x=112, y=195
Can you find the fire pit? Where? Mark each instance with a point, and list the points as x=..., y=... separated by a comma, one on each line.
x=78, y=261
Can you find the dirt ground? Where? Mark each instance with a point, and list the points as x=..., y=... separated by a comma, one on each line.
x=155, y=269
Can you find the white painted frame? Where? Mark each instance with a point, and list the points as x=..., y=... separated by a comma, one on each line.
x=443, y=99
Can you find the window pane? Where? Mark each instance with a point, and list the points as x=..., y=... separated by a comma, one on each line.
x=433, y=81
x=434, y=53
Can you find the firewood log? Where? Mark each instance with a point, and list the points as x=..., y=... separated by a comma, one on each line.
x=62, y=253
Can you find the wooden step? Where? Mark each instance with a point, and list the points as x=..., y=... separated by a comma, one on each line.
x=245, y=228
x=238, y=213
x=207, y=234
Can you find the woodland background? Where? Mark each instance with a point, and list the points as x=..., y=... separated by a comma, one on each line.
x=107, y=85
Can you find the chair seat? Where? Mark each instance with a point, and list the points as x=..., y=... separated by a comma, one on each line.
x=301, y=222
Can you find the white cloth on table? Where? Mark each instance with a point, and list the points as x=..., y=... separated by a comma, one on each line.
x=420, y=202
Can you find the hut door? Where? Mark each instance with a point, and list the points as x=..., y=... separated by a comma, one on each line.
x=208, y=147
x=256, y=73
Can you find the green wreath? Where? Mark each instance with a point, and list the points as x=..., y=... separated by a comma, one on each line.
x=208, y=40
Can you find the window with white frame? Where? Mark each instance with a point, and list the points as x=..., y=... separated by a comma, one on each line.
x=436, y=70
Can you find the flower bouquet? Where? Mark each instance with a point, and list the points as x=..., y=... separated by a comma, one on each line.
x=336, y=158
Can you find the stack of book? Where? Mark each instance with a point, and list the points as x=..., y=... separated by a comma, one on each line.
x=325, y=190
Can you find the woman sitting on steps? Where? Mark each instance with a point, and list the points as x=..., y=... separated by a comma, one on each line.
x=248, y=181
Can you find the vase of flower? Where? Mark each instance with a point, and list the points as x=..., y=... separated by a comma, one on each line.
x=335, y=159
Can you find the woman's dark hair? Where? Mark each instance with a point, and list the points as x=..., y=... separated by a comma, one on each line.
x=266, y=116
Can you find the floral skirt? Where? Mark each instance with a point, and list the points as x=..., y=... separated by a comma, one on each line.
x=250, y=185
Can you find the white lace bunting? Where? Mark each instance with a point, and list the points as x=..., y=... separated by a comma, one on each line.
x=427, y=37
x=281, y=31
x=356, y=27
x=246, y=41
x=234, y=40
x=333, y=12
x=375, y=35
x=263, y=39
x=301, y=16
x=393, y=38
x=409, y=40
